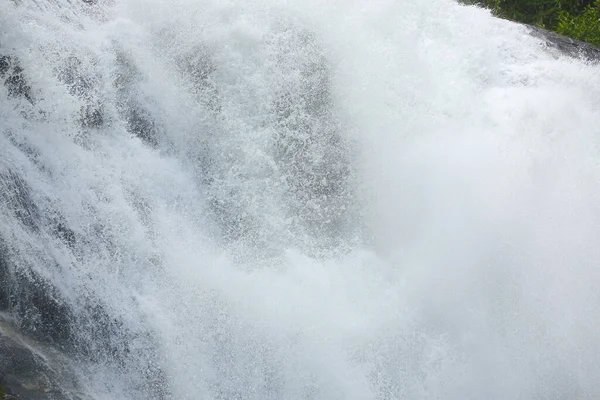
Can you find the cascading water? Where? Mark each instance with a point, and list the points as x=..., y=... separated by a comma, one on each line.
x=299, y=200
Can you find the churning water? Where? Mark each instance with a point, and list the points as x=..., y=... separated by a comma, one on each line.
x=300, y=199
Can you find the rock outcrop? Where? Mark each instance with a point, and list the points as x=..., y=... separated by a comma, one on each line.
x=565, y=45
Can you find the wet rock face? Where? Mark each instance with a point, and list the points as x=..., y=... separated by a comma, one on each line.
x=4, y=277
x=34, y=316
x=11, y=73
x=39, y=312
x=16, y=194
x=22, y=293
x=565, y=45
x=138, y=118
x=30, y=371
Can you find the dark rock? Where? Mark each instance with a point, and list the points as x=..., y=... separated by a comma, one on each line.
x=131, y=103
x=16, y=194
x=565, y=45
x=39, y=309
x=14, y=78
x=92, y=117
x=89, y=332
x=4, y=281
x=17, y=86
x=141, y=124
x=66, y=234
x=30, y=370
x=82, y=81
x=47, y=315
x=4, y=65
x=38, y=312
x=79, y=83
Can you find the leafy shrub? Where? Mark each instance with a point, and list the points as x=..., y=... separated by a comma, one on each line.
x=585, y=26
x=578, y=19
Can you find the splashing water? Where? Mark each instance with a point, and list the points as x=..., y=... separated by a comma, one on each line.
x=300, y=199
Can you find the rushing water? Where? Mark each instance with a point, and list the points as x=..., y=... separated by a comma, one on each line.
x=300, y=199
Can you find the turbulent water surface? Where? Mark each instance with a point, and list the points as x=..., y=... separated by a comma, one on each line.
x=299, y=200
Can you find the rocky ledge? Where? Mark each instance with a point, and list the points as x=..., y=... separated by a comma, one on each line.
x=565, y=45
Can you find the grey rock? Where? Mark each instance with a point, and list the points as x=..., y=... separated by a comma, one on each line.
x=12, y=74
x=565, y=45
x=33, y=371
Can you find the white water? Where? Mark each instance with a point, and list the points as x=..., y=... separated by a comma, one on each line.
x=344, y=200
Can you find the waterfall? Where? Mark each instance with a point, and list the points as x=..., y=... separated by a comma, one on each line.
x=298, y=200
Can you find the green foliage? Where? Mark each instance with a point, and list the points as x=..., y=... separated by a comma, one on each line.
x=585, y=26
x=2, y=392
x=578, y=19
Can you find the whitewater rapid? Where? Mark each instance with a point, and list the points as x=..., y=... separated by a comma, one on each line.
x=300, y=199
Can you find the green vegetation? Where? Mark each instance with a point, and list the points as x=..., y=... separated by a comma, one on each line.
x=579, y=19
x=585, y=26
x=2, y=392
